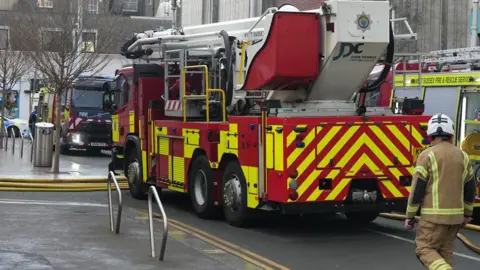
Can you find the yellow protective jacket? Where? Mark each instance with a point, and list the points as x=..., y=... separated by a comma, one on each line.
x=442, y=186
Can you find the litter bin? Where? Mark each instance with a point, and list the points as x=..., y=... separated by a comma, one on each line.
x=43, y=145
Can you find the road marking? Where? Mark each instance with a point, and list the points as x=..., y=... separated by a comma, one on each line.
x=214, y=251
x=413, y=242
x=58, y=203
x=214, y=238
x=228, y=247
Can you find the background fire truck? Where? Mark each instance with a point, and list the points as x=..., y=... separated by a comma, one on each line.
x=85, y=126
x=258, y=114
x=446, y=81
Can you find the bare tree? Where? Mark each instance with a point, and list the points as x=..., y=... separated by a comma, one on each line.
x=65, y=42
x=13, y=66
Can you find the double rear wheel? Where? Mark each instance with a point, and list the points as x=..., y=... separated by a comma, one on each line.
x=233, y=192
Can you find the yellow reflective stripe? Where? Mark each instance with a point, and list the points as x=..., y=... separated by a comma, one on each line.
x=445, y=212
x=444, y=267
x=436, y=264
x=466, y=164
x=468, y=206
x=433, y=162
x=422, y=171
x=412, y=208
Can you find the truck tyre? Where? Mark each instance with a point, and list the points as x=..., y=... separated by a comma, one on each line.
x=234, y=195
x=201, y=188
x=362, y=217
x=135, y=176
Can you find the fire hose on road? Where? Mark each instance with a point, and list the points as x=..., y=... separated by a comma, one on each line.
x=57, y=185
x=460, y=236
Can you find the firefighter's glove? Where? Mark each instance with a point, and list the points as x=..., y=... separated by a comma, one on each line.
x=409, y=223
x=466, y=221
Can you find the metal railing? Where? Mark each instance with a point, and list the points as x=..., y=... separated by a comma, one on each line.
x=13, y=134
x=152, y=192
x=111, y=178
x=31, y=148
x=206, y=96
x=5, y=137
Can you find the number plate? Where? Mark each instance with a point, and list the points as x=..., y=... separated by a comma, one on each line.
x=98, y=144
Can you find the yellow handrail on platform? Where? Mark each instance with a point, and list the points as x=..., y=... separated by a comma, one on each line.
x=206, y=96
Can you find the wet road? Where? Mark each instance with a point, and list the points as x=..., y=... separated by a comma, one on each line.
x=310, y=242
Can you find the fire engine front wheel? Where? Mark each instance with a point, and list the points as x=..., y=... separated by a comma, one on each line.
x=201, y=188
x=135, y=182
x=234, y=193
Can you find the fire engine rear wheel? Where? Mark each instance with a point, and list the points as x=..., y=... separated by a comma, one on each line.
x=201, y=188
x=234, y=193
x=134, y=175
x=362, y=217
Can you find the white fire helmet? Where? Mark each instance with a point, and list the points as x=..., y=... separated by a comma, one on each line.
x=440, y=125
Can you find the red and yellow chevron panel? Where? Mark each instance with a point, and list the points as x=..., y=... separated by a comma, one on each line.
x=343, y=152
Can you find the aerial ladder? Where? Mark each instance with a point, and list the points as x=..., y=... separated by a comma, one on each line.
x=263, y=107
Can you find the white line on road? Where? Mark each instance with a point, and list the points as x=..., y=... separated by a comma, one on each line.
x=413, y=242
x=58, y=203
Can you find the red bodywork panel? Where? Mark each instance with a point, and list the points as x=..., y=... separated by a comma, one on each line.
x=276, y=65
x=247, y=149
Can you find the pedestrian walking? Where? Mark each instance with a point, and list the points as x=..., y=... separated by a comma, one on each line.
x=443, y=189
x=32, y=120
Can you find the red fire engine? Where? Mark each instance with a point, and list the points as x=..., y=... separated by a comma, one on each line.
x=259, y=115
x=84, y=124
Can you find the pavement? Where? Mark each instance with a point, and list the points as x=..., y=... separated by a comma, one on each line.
x=275, y=242
x=42, y=231
x=76, y=166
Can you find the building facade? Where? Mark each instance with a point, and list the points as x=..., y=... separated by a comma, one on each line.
x=439, y=24
x=130, y=16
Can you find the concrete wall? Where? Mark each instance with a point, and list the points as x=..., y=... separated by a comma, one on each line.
x=439, y=24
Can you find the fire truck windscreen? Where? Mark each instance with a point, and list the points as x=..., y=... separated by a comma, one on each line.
x=87, y=98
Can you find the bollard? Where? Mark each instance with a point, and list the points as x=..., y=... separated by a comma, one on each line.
x=13, y=141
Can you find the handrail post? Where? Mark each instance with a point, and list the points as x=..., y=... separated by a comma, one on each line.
x=31, y=148
x=21, y=144
x=152, y=192
x=14, y=134
x=111, y=178
x=5, y=137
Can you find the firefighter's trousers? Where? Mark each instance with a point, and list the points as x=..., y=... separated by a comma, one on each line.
x=435, y=244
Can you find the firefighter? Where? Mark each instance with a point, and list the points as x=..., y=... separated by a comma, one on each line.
x=32, y=120
x=443, y=189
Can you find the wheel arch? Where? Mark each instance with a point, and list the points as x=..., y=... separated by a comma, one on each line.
x=227, y=158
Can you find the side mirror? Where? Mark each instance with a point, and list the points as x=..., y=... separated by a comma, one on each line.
x=108, y=104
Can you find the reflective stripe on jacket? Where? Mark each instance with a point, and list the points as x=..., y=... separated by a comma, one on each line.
x=445, y=169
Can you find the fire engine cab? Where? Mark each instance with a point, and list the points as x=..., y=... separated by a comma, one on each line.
x=259, y=115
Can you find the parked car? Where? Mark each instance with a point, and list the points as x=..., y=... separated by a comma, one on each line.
x=16, y=125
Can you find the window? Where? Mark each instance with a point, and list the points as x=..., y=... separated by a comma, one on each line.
x=89, y=40
x=83, y=98
x=130, y=5
x=45, y=3
x=92, y=6
x=4, y=38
